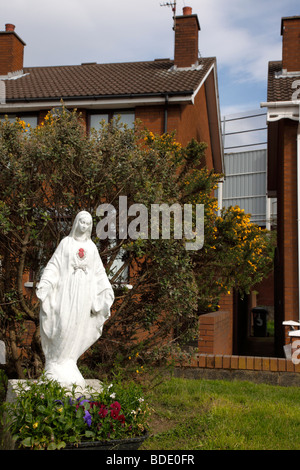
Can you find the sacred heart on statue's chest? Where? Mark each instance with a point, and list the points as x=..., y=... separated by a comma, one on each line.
x=81, y=254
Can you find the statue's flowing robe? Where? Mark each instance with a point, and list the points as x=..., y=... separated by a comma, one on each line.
x=78, y=301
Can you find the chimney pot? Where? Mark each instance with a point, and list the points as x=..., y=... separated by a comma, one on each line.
x=9, y=27
x=187, y=11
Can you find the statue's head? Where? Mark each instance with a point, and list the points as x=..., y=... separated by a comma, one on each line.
x=83, y=223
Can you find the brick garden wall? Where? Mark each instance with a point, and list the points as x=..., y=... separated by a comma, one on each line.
x=270, y=370
x=215, y=333
x=218, y=361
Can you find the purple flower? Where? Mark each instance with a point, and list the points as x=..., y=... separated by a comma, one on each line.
x=84, y=401
x=79, y=398
x=81, y=403
x=59, y=401
x=87, y=418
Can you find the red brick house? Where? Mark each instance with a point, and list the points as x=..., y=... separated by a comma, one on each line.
x=282, y=105
x=166, y=95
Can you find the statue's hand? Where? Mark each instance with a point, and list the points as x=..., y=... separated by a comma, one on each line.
x=103, y=306
x=104, y=312
x=42, y=291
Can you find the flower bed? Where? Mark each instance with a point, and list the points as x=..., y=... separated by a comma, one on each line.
x=47, y=416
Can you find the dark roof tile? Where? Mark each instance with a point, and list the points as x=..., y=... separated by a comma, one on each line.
x=90, y=80
x=279, y=87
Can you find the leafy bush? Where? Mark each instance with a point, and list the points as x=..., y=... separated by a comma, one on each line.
x=49, y=173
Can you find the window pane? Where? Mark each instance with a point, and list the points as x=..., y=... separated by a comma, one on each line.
x=95, y=120
x=11, y=117
x=117, y=264
x=126, y=117
x=32, y=120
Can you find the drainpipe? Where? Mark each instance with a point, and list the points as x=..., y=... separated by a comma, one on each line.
x=2, y=92
x=268, y=213
x=166, y=114
x=220, y=196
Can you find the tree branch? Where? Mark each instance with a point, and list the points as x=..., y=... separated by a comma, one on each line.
x=20, y=274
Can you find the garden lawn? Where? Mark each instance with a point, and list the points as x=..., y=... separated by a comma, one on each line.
x=221, y=415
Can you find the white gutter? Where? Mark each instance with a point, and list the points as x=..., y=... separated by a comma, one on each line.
x=278, y=104
x=202, y=81
x=214, y=70
x=92, y=103
x=281, y=110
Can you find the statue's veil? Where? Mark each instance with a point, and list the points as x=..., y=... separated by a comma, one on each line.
x=75, y=223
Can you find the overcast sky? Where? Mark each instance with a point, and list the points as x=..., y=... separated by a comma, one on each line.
x=242, y=34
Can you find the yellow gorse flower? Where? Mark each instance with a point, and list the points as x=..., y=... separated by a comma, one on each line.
x=22, y=123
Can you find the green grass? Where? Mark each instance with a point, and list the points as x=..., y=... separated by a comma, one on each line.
x=221, y=415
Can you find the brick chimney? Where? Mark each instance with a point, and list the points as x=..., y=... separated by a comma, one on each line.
x=11, y=51
x=290, y=31
x=186, y=39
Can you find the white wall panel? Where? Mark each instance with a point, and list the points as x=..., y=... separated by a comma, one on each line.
x=245, y=183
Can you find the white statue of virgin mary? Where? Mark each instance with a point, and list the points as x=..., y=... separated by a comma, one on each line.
x=75, y=300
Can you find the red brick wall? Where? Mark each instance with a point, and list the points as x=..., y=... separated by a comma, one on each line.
x=152, y=117
x=291, y=44
x=186, y=41
x=287, y=182
x=215, y=333
x=11, y=53
x=226, y=302
x=288, y=221
x=265, y=291
x=189, y=121
x=286, y=278
x=194, y=124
